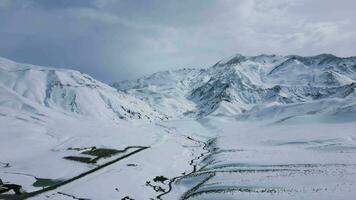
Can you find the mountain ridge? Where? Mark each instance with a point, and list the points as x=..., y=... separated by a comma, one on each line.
x=236, y=84
x=69, y=92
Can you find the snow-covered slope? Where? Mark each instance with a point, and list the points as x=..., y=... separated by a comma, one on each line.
x=243, y=85
x=57, y=125
x=165, y=91
x=32, y=89
x=50, y=116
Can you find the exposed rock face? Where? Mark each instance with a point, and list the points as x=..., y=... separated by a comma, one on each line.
x=245, y=85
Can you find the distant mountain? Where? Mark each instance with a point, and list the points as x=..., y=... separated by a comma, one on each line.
x=264, y=87
x=253, y=87
x=34, y=89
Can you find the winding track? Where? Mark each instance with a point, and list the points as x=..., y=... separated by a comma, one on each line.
x=205, y=147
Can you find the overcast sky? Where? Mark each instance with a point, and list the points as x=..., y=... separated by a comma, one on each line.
x=124, y=39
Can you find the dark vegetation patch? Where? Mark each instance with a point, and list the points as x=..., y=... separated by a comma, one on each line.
x=5, y=187
x=44, y=182
x=97, y=153
x=8, y=187
x=80, y=159
x=102, y=152
x=161, y=179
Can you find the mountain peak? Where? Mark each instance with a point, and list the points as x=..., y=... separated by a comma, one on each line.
x=234, y=59
x=259, y=80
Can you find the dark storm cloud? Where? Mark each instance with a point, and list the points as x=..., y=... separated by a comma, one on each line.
x=121, y=39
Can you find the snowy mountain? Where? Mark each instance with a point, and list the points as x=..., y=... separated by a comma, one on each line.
x=34, y=89
x=59, y=124
x=251, y=127
x=251, y=87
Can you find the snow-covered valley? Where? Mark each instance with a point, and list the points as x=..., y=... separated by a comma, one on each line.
x=258, y=127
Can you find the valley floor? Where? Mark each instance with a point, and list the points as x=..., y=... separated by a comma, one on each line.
x=254, y=161
x=213, y=158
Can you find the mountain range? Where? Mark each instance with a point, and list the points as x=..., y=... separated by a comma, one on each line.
x=263, y=87
x=251, y=127
x=253, y=87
